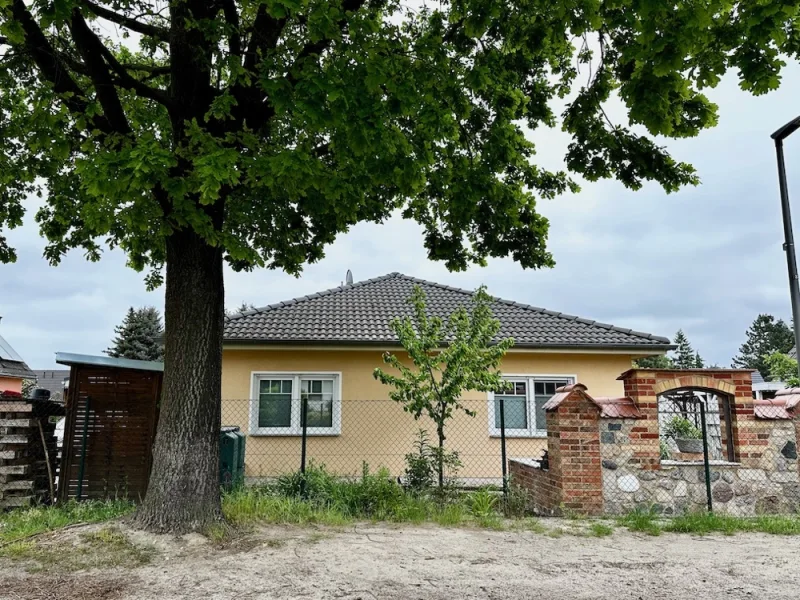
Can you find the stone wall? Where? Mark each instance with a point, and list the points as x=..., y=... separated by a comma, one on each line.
x=615, y=443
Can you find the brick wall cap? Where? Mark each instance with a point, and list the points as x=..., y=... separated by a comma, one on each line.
x=618, y=408
x=669, y=373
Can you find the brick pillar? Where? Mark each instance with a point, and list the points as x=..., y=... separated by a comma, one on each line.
x=644, y=435
x=573, y=442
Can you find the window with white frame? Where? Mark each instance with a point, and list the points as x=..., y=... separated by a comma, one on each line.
x=522, y=404
x=277, y=403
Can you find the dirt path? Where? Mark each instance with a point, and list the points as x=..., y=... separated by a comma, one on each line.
x=379, y=562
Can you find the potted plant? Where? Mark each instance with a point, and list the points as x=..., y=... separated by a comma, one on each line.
x=688, y=437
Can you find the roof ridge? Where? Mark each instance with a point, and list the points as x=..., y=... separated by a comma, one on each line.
x=307, y=297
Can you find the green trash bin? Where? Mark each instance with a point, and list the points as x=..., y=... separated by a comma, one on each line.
x=229, y=448
x=242, y=442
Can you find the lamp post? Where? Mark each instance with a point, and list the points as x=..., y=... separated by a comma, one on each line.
x=788, y=244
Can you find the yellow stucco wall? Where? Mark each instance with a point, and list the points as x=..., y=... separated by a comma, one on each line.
x=375, y=429
x=10, y=384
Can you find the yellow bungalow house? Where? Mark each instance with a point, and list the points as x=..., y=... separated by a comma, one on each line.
x=323, y=348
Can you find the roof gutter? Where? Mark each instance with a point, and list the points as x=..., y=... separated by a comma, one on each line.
x=656, y=348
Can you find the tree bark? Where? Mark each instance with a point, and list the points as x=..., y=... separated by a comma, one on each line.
x=183, y=494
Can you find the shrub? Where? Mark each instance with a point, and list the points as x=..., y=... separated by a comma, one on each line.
x=482, y=503
x=683, y=429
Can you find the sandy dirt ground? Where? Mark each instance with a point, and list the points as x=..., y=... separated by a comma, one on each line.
x=383, y=562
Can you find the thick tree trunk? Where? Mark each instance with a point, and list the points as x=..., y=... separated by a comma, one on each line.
x=183, y=494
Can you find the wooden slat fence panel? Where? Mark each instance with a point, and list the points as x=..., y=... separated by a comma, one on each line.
x=109, y=434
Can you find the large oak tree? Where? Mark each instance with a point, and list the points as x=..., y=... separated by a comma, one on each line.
x=193, y=132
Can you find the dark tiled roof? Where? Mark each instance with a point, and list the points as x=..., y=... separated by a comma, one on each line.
x=793, y=352
x=16, y=369
x=360, y=314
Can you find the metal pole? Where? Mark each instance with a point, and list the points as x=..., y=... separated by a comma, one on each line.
x=304, y=420
x=503, y=447
x=82, y=467
x=706, y=466
x=788, y=234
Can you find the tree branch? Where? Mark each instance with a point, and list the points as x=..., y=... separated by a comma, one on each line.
x=144, y=28
x=94, y=51
x=90, y=48
x=54, y=70
x=232, y=18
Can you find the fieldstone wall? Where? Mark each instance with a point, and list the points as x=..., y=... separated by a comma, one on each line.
x=766, y=481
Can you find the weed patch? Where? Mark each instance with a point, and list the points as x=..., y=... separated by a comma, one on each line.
x=25, y=523
x=644, y=520
x=104, y=548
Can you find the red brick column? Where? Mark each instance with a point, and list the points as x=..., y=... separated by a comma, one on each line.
x=639, y=386
x=573, y=441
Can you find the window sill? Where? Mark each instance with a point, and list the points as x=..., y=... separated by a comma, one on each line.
x=537, y=435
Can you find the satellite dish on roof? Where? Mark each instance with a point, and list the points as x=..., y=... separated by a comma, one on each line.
x=349, y=277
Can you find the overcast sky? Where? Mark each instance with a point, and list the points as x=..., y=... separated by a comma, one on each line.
x=707, y=259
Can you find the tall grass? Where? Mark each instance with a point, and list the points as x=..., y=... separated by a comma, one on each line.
x=321, y=497
x=702, y=522
x=23, y=523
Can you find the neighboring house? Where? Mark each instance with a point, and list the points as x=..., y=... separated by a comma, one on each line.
x=53, y=381
x=13, y=370
x=765, y=390
x=325, y=347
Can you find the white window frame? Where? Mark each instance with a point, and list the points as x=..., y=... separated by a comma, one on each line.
x=531, y=431
x=296, y=428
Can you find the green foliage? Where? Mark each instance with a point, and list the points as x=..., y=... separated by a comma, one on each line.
x=598, y=529
x=683, y=429
x=654, y=362
x=515, y=504
x=685, y=356
x=448, y=359
x=243, y=308
x=28, y=385
x=702, y=522
x=643, y=519
x=765, y=336
x=303, y=119
x=782, y=367
x=139, y=336
x=422, y=465
x=483, y=503
x=664, y=451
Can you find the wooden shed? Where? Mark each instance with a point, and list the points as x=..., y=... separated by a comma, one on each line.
x=111, y=416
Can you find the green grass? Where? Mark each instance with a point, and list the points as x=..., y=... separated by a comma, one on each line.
x=104, y=548
x=24, y=523
x=598, y=529
x=641, y=520
x=701, y=523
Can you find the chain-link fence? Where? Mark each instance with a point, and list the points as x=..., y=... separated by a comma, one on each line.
x=286, y=435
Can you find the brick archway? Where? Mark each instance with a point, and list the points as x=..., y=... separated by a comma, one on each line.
x=694, y=381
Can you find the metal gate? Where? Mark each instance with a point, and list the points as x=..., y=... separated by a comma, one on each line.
x=695, y=429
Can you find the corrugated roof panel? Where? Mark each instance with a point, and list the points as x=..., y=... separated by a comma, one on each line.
x=66, y=358
x=7, y=352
